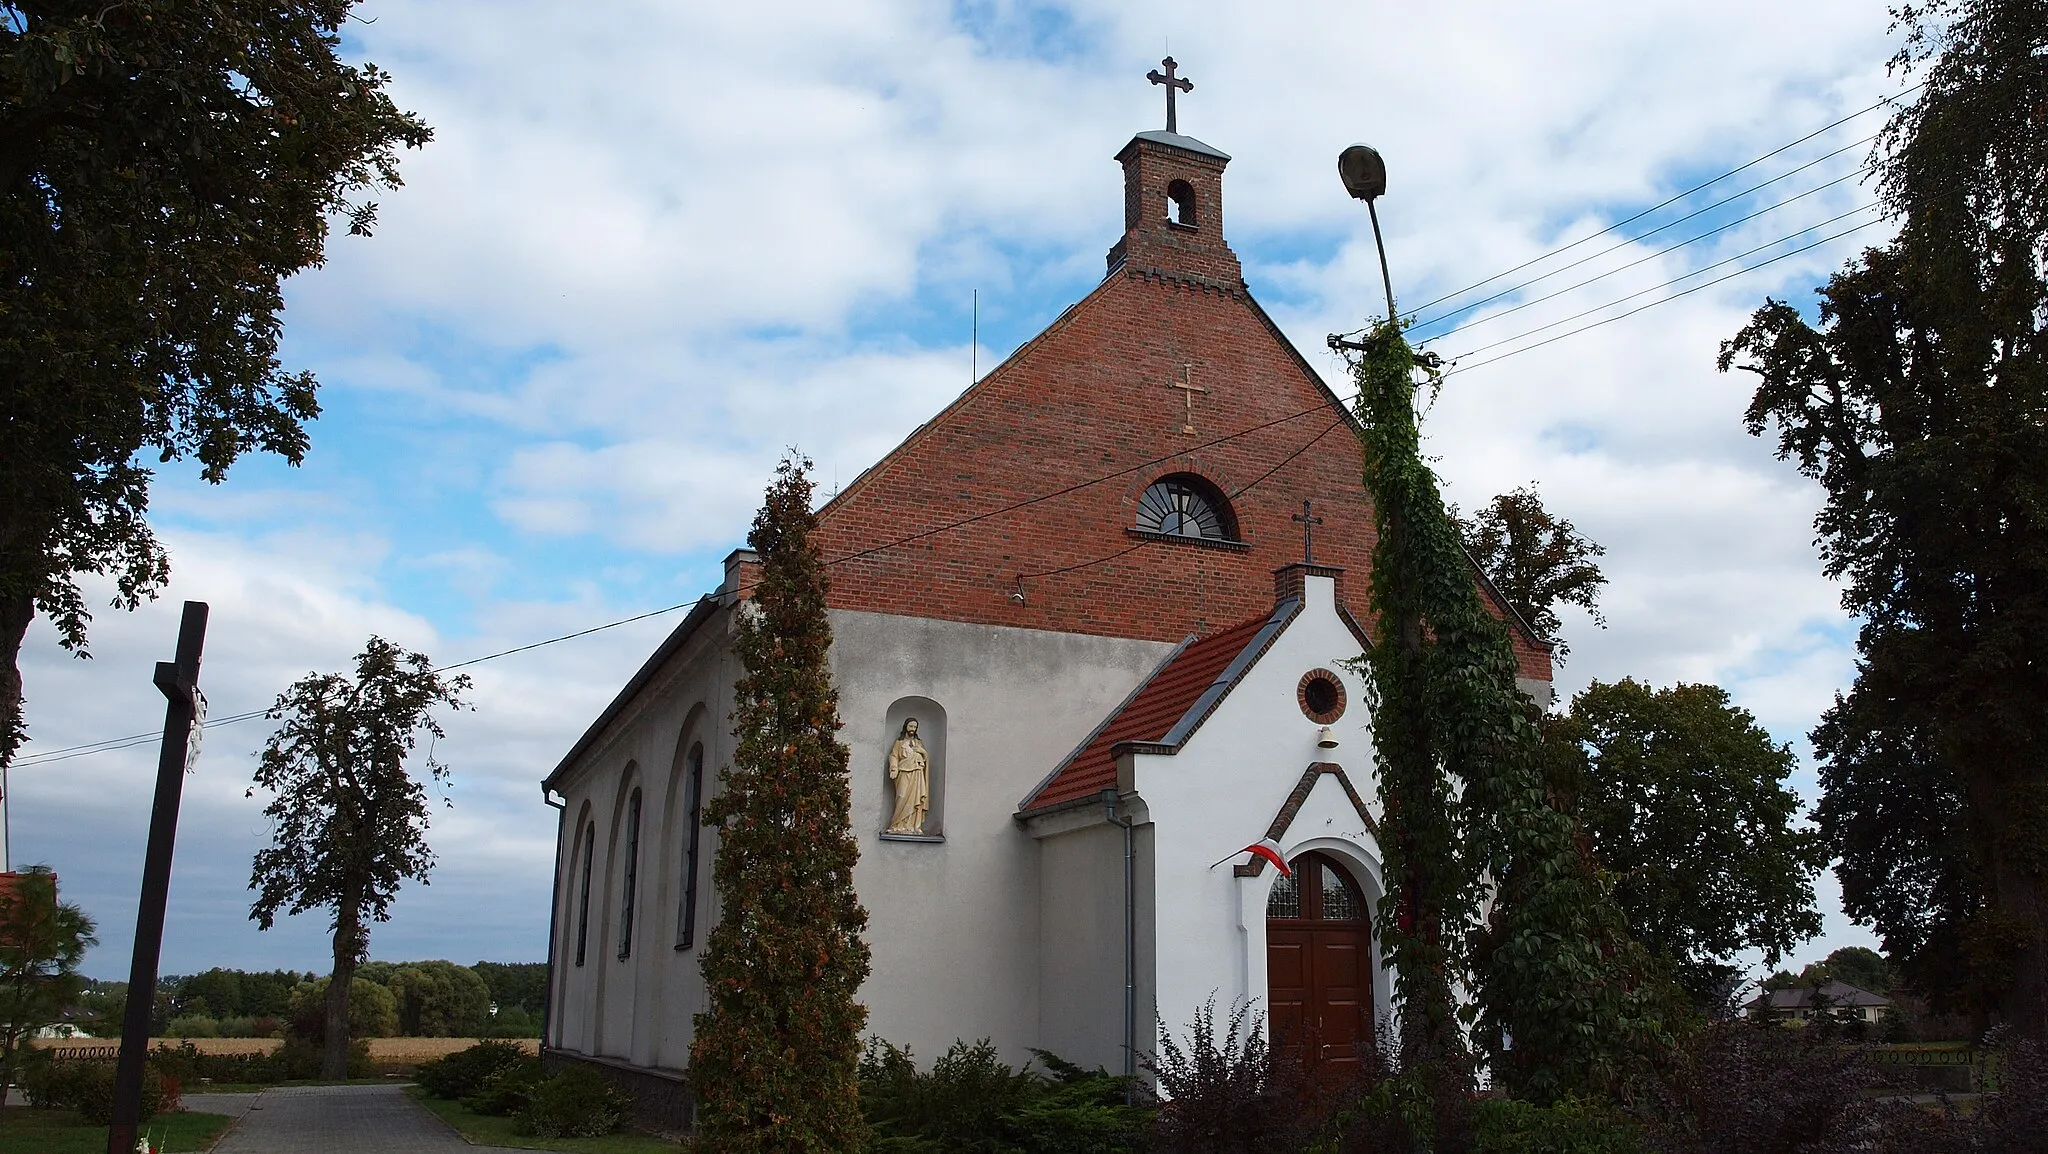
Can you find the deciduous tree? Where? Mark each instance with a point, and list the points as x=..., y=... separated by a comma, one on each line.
x=1684, y=798
x=776, y=1058
x=1537, y=560
x=164, y=166
x=348, y=822
x=1919, y=401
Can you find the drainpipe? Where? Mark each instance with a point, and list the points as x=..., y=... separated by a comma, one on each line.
x=547, y=1002
x=1109, y=806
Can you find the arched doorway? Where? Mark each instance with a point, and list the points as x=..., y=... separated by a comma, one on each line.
x=1319, y=964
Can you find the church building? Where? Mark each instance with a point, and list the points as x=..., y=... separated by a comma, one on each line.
x=1090, y=624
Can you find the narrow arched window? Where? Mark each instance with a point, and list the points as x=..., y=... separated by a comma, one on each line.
x=583, y=900
x=631, y=884
x=693, y=813
x=1180, y=204
x=1185, y=505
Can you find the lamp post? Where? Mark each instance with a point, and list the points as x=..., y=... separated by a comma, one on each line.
x=1365, y=177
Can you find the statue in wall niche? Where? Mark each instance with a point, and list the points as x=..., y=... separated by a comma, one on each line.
x=910, y=768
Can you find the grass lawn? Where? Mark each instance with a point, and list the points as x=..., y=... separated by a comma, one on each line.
x=485, y=1130
x=32, y=1131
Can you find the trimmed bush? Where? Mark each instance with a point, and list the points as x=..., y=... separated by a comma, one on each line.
x=463, y=1074
x=508, y=1089
x=88, y=1087
x=576, y=1103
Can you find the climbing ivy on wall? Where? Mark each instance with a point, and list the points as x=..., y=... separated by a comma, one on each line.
x=1563, y=1002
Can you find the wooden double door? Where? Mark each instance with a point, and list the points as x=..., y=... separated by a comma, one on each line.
x=1319, y=966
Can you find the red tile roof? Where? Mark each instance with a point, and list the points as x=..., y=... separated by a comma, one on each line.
x=1151, y=714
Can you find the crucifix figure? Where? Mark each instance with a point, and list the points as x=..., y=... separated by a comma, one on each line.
x=1188, y=389
x=1172, y=82
x=1308, y=531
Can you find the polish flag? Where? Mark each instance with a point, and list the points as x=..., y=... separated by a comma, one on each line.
x=1270, y=850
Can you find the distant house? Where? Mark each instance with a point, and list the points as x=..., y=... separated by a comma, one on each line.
x=1839, y=999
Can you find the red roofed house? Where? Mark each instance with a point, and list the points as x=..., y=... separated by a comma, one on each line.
x=1085, y=580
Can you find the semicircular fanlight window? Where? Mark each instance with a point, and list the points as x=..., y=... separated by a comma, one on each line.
x=1178, y=507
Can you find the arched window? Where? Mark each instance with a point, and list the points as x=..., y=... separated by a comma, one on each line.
x=693, y=813
x=1180, y=204
x=583, y=900
x=1185, y=505
x=631, y=883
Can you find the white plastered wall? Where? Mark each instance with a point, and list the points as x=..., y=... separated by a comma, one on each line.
x=955, y=927
x=1222, y=790
x=639, y=1009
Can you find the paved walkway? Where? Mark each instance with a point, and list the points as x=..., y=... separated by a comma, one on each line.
x=333, y=1120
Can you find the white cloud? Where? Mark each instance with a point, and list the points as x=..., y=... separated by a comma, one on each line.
x=654, y=244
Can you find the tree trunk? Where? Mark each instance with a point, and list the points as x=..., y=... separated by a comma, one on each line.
x=348, y=953
x=16, y=612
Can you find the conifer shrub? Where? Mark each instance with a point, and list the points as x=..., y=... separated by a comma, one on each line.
x=971, y=1101
x=575, y=1103
x=776, y=1057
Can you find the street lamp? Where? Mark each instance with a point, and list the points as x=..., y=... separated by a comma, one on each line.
x=1365, y=177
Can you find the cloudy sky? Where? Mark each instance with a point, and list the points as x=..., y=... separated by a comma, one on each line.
x=652, y=244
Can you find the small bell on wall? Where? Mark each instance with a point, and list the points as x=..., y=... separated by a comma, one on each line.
x=1325, y=739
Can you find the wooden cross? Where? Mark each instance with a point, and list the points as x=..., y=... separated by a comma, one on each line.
x=1172, y=82
x=1308, y=531
x=1188, y=389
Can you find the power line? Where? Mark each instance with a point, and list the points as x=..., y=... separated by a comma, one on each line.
x=112, y=744
x=1665, y=251
x=1675, y=280
x=1660, y=301
x=1641, y=236
x=1894, y=98
x=132, y=740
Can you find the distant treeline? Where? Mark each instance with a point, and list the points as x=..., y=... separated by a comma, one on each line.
x=410, y=999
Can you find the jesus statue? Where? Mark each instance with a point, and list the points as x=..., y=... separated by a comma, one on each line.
x=910, y=767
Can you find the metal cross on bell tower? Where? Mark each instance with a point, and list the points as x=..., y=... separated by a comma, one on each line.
x=1172, y=82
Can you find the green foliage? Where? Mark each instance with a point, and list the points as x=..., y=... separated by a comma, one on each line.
x=372, y=1010
x=576, y=1103
x=87, y=1087
x=521, y=984
x=514, y=1023
x=1859, y=966
x=1537, y=561
x=440, y=1000
x=974, y=1104
x=1569, y=1126
x=42, y=940
x=1683, y=795
x=508, y=1091
x=463, y=1073
x=1462, y=785
x=1919, y=402
x=193, y=1026
x=348, y=822
x=776, y=1055
x=163, y=168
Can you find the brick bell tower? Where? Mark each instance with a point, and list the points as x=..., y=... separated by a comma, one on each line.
x=1173, y=201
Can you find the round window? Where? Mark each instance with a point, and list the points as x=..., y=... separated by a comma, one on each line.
x=1321, y=696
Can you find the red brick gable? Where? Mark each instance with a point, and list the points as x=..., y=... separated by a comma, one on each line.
x=1046, y=457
